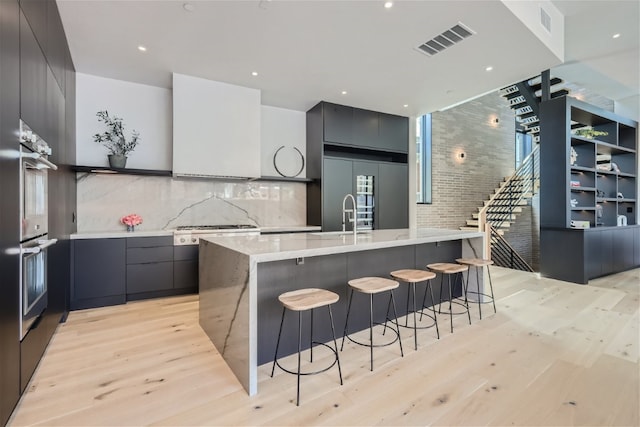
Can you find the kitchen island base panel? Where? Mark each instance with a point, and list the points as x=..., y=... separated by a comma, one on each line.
x=241, y=278
x=225, y=312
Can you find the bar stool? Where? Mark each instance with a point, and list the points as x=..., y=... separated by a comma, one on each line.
x=302, y=300
x=449, y=269
x=371, y=286
x=478, y=263
x=412, y=277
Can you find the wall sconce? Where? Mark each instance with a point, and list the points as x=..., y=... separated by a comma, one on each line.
x=494, y=120
x=460, y=156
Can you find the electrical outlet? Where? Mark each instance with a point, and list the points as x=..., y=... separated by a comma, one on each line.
x=300, y=261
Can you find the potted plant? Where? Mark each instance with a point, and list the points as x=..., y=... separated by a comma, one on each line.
x=113, y=138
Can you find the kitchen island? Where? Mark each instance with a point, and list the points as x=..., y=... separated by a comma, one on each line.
x=241, y=278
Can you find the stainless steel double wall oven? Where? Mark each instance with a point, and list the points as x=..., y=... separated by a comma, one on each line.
x=34, y=227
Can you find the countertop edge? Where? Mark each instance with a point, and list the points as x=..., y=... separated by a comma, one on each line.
x=341, y=247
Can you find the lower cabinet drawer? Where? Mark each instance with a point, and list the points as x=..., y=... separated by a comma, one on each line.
x=150, y=277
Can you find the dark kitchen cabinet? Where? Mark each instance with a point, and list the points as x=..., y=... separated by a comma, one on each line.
x=338, y=175
x=344, y=142
x=9, y=207
x=33, y=80
x=392, y=196
x=338, y=124
x=394, y=132
x=365, y=129
x=149, y=265
x=99, y=277
x=185, y=267
x=390, y=182
x=144, y=267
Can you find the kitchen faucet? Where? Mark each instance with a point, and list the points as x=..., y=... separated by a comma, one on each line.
x=349, y=213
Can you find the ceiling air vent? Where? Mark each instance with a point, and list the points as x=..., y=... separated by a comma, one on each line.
x=453, y=35
x=545, y=20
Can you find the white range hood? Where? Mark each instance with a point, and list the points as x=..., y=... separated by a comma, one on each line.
x=216, y=129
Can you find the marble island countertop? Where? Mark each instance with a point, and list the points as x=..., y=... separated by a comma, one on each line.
x=266, y=248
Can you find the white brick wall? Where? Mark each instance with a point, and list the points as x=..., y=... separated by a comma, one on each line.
x=460, y=186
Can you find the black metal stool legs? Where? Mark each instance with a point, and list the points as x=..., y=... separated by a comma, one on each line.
x=433, y=303
x=275, y=356
x=299, y=350
x=346, y=321
x=335, y=343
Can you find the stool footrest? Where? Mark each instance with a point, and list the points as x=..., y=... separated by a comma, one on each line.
x=319, y=371
x=411, y=326
x=455, y=313
x=395, y=339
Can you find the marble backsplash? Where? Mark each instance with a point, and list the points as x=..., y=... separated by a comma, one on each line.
x=165, y=203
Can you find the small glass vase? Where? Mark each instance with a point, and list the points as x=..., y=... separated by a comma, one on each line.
x=131, y=228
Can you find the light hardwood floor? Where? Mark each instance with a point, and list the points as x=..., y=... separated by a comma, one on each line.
x=554, y=354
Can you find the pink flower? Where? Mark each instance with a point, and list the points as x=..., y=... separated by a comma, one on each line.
x=131, y=219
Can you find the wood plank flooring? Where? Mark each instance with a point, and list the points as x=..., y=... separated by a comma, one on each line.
x=555, y=354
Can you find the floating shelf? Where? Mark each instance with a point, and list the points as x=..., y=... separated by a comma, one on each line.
x=126, y=171
x=583, y=189
x=283, y=178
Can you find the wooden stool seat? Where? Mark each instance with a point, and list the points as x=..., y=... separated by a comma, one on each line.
x=447, y=268
x=373, y=285
x=483, y=297
x=475, y=262
x=306, y=299
x=413, y=276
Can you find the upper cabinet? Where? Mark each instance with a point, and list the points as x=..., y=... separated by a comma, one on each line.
x=355, y=127
x=33, y=80
x=216, y=129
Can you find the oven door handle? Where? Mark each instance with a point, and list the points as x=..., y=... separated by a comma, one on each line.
x=38, y=158
x=42, y=244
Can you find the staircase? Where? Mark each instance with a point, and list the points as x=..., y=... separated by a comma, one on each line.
x=500, y=211
x=525, y=98
x=502, y=208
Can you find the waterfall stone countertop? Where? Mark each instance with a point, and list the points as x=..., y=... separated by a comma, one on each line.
x=265, y=248
x=241, y=277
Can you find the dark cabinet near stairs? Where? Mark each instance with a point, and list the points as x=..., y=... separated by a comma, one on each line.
x=344, y=143
x=587, y=181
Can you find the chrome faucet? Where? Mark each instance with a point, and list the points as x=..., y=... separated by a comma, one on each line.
x=350, y=214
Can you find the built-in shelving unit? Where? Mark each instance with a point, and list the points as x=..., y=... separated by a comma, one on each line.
x=589, y=190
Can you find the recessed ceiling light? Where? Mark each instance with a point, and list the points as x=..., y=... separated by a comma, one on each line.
x=388, y=4
x=142, y=48
x=616, y=35
x=254, y=73
x=489, y=68
x=188, y=7
x=406, y=105
x=344, y=92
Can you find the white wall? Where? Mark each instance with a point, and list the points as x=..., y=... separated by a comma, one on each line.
x=280, y=127
x=144, y=108
x=529, y=13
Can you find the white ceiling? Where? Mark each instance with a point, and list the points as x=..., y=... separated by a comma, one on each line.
x=308, y=51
